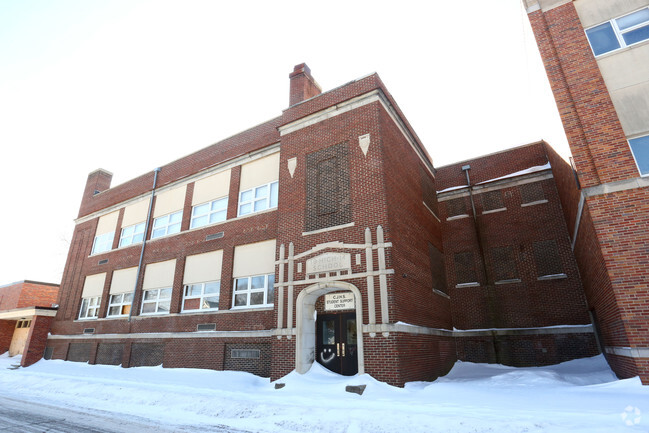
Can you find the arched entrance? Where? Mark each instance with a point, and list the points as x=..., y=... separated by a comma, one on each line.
x=305, y=350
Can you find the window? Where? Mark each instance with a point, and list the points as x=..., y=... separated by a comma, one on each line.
x=90, y=308
x=245, y=353
x=640, y=149
x=23, y=324
x=132, y=235
x=456, y=207
x=547, y=258
x=202, y=296
x=257, y=199
x=254, y=291
x=465, y=272
x=119, y=304
x=504, y=264
x=167, y=224
x=103, y=243
x=209, y=213
x=156, y=301
x=620, y=32
x=532, y=193
x=492, y=200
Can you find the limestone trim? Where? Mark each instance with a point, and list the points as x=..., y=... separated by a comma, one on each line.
x=495, y=185
x=629, y=352
x=329, y=229
x=357, y=102
x=162, y=335
x=23, y=313
x=306, y=321
x=566, y=329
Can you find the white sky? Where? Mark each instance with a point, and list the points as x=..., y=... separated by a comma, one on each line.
x=129, y=85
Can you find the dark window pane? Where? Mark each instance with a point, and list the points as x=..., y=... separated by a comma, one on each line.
x=636, y=35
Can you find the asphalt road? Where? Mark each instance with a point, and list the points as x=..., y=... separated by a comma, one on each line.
x=18, y=416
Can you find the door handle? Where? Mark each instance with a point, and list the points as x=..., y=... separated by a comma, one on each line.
x=343, y=350
x=338, y=349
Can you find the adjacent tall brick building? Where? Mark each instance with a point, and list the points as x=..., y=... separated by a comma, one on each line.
x=319, y=236
x=596, y=56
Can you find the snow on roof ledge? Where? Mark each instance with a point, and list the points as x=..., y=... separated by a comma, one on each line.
x=530, y=170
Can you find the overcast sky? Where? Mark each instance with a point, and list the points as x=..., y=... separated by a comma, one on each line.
x=132, y=85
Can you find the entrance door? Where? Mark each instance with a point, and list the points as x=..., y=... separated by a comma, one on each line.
x=336, y=347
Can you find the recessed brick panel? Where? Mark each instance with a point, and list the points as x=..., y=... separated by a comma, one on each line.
x=146, y=354
x=79, y=352
x=328, y=200
x=109, y=353
x=547, y=259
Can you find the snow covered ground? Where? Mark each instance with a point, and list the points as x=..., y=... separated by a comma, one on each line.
x=577, y=396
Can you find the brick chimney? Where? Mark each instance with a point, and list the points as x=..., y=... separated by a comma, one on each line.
x=98, y=181
x=303, y=86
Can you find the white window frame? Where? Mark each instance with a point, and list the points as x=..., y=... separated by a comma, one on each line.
x=156, y=301
x=128, y=239
x=103, y=243
x=635, y=158
x=167, y=225
x=269, y=201
x=201, y=297
x=117, y=300
x=619, y=34
x=211, y=213
x=248, y=291
x=89, y=310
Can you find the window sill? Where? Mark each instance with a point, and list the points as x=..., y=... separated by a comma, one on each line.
x=474, y=284
x=512, y=281
x=457, y=217
x=552, y=277
x=253, y=307
x=154, y=314
x=204, y=310
x=440, y=293
x=532, y=203
x=621, y=50
x=487, y=212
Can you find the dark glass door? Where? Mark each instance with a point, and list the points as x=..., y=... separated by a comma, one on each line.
x=336, y=346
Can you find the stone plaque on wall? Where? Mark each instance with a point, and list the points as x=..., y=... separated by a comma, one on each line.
x=339, y=301
x=328, y=262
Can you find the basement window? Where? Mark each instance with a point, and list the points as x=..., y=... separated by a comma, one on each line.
x=620, y=32
x=245, y=353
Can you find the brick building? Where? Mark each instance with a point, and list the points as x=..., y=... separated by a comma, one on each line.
x=318, y=236
x=595, y=53
x=26, y=313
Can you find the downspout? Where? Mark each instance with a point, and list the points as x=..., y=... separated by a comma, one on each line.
x=490, y=297
x=146, y=231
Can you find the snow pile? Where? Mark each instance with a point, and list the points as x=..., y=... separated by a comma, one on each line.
x=577, y=396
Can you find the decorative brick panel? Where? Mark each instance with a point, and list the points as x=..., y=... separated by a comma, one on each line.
x=328, y=201
x=109, y=353
x=79, y=352
x=146, y=354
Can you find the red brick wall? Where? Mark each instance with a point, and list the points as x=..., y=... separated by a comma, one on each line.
x=7, y=328
x=611, y=244
x=414, y=227
x=593, y=129
x=36, y=340
x=38, y=294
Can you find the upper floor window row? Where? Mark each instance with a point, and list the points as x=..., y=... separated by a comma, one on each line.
x=258, y=191
x=619, y=32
